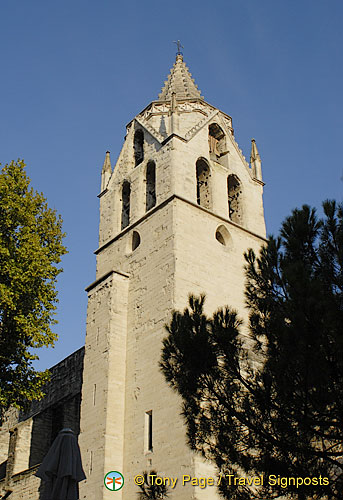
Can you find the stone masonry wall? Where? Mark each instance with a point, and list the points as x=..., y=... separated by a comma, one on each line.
x=29, y=435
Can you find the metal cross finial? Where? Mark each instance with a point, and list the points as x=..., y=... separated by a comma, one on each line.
x=179, y=47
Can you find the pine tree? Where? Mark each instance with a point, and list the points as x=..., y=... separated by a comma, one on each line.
x=30, y=246
x=149, y=490
x=271, y=405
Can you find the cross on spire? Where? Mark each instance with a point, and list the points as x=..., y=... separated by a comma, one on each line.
x=179, y=47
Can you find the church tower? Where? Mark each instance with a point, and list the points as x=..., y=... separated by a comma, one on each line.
x=176, y=214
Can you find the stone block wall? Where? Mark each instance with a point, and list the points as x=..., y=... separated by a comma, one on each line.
x=29, y=435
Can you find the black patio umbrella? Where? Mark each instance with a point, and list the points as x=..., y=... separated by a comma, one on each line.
x=61, y=469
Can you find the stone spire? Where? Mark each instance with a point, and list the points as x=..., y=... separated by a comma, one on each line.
x=181, y=82
x=255, y=161
x=106, y=171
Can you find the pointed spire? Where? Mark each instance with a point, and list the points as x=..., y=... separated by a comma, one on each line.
x=255, y=161
x=254, y=152
x=181, y=82
x=107, y=163
x=106, y=171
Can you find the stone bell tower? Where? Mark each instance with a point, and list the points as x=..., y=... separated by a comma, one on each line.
x=176, y=214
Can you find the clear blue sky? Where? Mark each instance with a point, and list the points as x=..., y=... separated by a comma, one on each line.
x=74, y=72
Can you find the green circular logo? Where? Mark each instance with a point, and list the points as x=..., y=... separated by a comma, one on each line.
x=114, y=480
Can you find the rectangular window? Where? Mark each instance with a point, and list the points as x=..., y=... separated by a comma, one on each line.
x=148, y=432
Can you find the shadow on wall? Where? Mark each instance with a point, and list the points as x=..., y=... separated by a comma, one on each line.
x=48, y=423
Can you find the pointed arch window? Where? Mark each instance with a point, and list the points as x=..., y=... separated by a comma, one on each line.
x=138, y=146
x=125, y=213
x=150, y=185
x=203, y=176
x=234, y=191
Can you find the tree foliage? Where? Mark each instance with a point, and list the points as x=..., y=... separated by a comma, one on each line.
x=149, y=490
x=270, y=402
x=30, y=247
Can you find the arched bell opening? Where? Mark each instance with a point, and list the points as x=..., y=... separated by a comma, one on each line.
x=150, y=185
x=234, y=191
x=216, y=141
x=125, y=212
x=203, y=177
x=138, y=146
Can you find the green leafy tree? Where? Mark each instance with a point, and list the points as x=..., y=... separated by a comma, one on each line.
x=270, y=403
x=30, y=246
x=149, y=490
